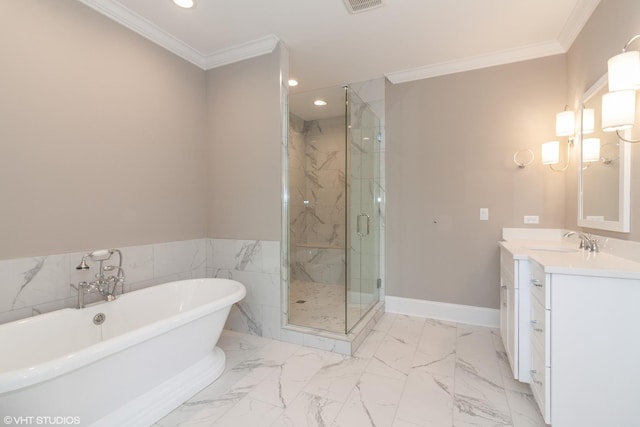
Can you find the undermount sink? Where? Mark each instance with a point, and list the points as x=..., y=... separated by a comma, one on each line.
x=551, y=249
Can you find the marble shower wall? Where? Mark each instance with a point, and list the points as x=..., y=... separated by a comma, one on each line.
x=317, y=159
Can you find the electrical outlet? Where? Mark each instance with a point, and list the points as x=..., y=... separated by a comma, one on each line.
x=484, y=214
x=531, y=219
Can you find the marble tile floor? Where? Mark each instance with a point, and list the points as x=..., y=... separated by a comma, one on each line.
x=409, y=372
x=323, y=306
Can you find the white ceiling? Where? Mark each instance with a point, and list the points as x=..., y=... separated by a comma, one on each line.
x=403, y=40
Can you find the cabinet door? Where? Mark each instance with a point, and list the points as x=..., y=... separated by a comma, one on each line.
x=505, y=328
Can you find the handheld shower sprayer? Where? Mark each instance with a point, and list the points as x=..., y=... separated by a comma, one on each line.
x=100, y=255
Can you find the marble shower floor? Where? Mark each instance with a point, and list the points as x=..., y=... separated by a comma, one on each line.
x=323, y=306
x=408, y=372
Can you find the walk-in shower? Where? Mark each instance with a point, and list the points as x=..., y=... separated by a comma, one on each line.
x=333, y=207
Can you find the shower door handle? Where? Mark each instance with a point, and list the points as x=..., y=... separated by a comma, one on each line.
x=359, y=228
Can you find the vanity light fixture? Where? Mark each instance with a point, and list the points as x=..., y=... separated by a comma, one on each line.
x=590, y=150
x=186, y=4
x=619, y=105
x=319, y=102
x=523, y=158
x=551, y=153
x=588, y=121
x=292, y=82
x=565, y=126
x=566, y=123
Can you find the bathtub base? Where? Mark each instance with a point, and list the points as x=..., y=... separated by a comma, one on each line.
x=161, y=400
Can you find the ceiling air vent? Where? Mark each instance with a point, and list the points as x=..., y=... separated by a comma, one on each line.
x=357, y=6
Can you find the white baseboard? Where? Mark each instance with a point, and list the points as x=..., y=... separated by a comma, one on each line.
x=480, y=316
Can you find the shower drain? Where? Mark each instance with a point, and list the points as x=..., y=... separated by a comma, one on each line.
x=98, y=319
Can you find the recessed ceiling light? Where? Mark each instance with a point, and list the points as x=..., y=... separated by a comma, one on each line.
x=187, y=4
x=293, y=82
x=319, y=102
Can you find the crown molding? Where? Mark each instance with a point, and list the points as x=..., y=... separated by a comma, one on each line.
x=241, y=52
x=152, y=32
x=576, y=22
x=477, y=62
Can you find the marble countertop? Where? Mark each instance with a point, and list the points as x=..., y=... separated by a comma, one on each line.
x=564, y=257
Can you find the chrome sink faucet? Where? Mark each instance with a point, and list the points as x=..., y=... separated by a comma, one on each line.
x=105, y=285
x=586, y=241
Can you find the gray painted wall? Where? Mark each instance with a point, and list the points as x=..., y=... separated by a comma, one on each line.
x=450, y=142
x=244, y=149
x=102, y=134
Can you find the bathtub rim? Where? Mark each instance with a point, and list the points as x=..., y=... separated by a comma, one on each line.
x=30, y=375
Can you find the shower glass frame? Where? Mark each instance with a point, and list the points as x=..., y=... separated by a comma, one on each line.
x=361, y=244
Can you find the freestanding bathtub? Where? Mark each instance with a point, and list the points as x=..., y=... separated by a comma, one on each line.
x=155, y=348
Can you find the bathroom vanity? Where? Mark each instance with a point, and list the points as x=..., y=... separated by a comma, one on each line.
x=571, y=328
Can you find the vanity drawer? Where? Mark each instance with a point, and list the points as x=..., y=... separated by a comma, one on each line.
x=541, y=384
x=539, y=324
x=539, y=285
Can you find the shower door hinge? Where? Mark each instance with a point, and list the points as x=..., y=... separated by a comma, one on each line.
x=379, y=283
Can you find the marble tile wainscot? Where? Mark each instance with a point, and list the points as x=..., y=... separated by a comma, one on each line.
x=36, y=285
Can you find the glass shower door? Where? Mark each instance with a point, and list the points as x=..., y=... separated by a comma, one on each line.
x=363, y=238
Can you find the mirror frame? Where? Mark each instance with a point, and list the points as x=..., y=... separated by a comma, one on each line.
x=624, y=182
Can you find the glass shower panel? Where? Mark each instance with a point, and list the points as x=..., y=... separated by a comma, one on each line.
x=363, y=238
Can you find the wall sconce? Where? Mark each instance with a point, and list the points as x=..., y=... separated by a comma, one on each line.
x=590, y=150
x=588, y=121
x=565, y=126
x=566, y=123
x=523, y=158
x=609, y=152
x=619, y=105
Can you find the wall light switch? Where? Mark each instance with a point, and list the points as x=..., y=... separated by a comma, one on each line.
x=484, y=214
x=531, y=219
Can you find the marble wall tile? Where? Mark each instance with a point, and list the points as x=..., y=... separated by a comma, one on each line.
x=242, y=255
x=30, y=281
x=257, y=265
x=181, y=256
x=245, y=317
x=32, y=286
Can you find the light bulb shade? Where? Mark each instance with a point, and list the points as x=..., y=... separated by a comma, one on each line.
x=187, y=4
x=590, y=150
x=588, y=121
x=551, y=153
x=624, y=71
x=565, y=123
x=618, y=110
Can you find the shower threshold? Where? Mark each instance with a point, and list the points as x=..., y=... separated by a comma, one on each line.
x=338, y=342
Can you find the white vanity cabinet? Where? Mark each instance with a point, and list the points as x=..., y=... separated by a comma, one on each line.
x=514, y=312
x=585, y=347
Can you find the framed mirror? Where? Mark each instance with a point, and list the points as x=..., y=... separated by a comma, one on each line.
x=604, y=172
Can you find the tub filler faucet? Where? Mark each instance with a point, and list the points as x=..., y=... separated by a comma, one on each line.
x=106, y=285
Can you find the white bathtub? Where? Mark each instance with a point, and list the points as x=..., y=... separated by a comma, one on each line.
x=155, y=349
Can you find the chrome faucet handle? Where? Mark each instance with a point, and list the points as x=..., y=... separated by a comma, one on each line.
x=594, y=245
